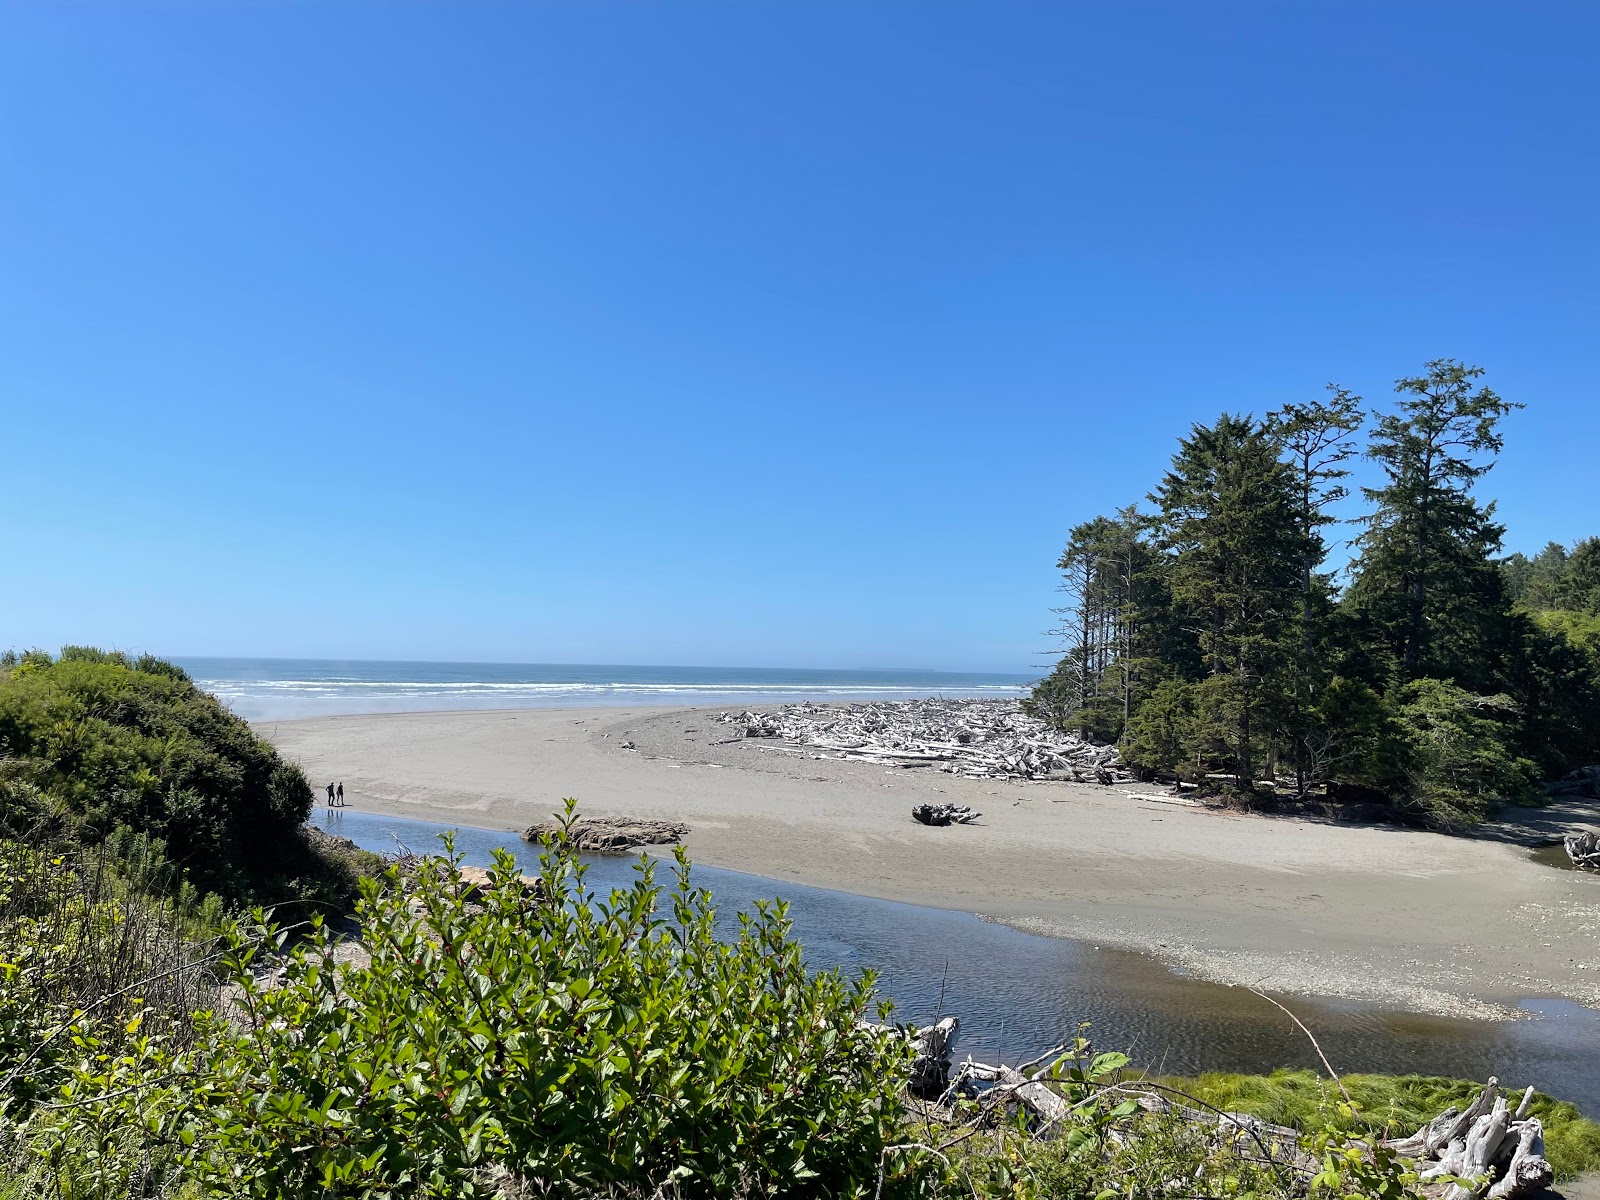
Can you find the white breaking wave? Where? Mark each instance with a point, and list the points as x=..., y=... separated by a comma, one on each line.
x=254, y=697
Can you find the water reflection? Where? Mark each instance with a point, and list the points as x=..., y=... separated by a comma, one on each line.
x=1018, y=993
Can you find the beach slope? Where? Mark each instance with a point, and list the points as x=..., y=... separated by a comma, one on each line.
x=1457, y=926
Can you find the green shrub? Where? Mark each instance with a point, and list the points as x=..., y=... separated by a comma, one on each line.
x=1457, y=753
x=93, y=743
x=1163, y=729
x=548, y=1036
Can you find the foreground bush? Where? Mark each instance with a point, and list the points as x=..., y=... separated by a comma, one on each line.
x=544, y=1036
x=529, y=1038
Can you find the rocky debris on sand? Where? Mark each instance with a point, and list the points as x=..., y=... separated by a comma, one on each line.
x=612, y=835
x=982, y=739
x=944, y=814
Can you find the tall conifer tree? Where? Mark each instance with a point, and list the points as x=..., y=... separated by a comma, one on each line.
x=1229, y=519
x=1425, y=581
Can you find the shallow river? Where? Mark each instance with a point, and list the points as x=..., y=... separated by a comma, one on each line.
x=1019, y=993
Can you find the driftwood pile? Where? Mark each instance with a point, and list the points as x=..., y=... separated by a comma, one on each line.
x=1487, y=1140
x=1499, y=1152
x=944, y=814
x=1584, y=850
x=612, y=835
x=1585, y=781
x=982, y=739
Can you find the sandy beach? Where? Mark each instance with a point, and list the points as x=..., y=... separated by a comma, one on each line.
x=1456, y=926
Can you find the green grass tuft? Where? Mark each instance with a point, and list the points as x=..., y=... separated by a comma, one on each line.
x=1401, y=1103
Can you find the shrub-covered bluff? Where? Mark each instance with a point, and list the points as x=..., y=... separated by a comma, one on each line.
x=99, y=749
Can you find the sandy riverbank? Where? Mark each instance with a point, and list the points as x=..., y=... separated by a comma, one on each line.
x=1447, y=925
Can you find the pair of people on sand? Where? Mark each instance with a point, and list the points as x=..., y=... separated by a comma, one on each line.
x=336, y=796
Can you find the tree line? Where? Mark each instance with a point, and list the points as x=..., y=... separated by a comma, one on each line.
x=1208, y=636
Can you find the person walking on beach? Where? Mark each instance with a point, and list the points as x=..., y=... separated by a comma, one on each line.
x=341, y=793
x=330, y=795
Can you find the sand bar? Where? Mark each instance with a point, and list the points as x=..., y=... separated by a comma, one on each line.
x=1455, y=926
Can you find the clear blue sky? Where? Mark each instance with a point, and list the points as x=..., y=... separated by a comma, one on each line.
x=734, y=333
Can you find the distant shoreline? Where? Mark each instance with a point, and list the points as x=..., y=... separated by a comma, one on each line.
x=288, y=689
x=1454, y=926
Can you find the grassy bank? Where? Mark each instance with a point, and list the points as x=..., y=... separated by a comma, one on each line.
x=1404, y=1103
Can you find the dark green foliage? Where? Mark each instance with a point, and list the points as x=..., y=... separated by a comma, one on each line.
x=1457, y=755
x=1556, y=579
x=1443, y=680
x=1112, y=625
x=1577, y=629
x=534, y=1038
x=94, y=743
x=1425, y=581
x=1230, y=521
x=1162, y=735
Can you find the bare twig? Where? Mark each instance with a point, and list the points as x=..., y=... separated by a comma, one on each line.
x=1312, y=1038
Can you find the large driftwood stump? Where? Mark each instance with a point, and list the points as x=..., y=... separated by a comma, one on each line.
x=611, y=835
x=1486, y=1141
x=930, y=1070
x=1584, y=850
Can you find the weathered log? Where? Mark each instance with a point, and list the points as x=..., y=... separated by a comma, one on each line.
x=1482, y=1146
x=1485, y=1142
x=1528, y=1172
x=1585, y=781
x=1583, y=849
x=944, y=814
x=612, y=835
x=930, y=1069
x=1011, y=1085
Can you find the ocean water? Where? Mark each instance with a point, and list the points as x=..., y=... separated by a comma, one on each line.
x=1018, y=993
x=283, y=688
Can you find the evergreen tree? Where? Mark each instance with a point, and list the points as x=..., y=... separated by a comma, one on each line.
x=1426, y=585
x=1104, y=571
x=1229, y=518
x=1317, y=439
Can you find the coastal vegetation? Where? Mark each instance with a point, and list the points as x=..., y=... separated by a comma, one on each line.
x=98, y=749
x=514, y=1038
x=1212, y=639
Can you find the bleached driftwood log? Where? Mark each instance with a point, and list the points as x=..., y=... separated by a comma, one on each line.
x=1585, y=781
x=930, y=1069
x=1527, y=1172
x=930, y=1066
x=1584, y=850
x=1485, y=1142
x=1015, y=1085
x=944, y=814
x=985, y=739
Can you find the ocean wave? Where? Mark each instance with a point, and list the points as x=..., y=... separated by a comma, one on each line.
x=245, y=686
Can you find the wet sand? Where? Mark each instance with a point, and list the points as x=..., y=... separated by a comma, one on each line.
x=1454, y=926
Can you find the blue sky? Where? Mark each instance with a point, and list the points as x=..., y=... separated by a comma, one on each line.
x=734, y=333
